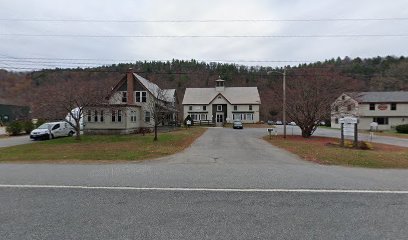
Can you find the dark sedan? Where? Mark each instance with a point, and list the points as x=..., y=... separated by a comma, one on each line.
x=237, y=125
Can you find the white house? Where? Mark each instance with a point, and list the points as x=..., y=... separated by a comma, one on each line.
x=130, y=107
x=222, y=104
x=388, y=109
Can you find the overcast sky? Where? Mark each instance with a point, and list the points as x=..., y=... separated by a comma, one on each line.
x=113, y=40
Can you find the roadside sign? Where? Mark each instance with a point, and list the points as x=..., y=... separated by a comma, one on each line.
x=348, y=129
x=347, y=120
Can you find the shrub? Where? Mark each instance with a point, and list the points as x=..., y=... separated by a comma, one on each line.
x=27, y=126
x=365, y=145
x=14, y=128
x=402, y=128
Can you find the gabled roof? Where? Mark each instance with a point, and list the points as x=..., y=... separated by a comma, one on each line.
x=235, y=95
x=379, y=97
x=151, y=87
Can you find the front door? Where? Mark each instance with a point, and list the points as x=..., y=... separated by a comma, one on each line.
x=219, y=119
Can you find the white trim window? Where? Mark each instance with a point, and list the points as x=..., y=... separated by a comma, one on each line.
x=147, y=116
x=140, y=96
x=133, y=116
x=113, y=116
x=119, y=115
x=219, y=108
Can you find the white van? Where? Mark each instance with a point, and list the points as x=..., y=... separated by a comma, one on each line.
x=52, y=130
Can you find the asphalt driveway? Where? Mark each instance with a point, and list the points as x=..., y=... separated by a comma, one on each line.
x=13, y=141
x=229, y=184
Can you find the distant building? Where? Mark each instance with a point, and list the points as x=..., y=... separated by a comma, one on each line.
x=222, y=104
x=388, y=109
x=129, y=107
x=11, y=111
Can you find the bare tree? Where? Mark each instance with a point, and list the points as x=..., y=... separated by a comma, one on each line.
x=56, y=101
x=310, y=95
x=160, y=105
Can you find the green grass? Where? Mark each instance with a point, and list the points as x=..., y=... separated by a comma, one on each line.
x=103, y=147
x=320, y=150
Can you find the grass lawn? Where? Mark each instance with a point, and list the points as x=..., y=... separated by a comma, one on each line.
x=103, y=147
x=320, y=150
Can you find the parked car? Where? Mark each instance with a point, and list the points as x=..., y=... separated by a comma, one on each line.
x=269, y=122
x=278, y=123
x=237, y=125
x=52, y=130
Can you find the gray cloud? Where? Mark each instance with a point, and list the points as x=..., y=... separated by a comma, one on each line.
x=299, y=49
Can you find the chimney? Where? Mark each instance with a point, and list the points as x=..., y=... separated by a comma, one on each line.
x=130, y=87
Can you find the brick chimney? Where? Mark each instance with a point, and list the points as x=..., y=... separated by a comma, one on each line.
x=130, y=87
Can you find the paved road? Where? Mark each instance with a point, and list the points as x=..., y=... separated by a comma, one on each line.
x=124, y=214
x=222, y=159
x=12, y=141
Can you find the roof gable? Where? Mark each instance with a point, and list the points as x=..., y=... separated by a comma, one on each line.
x=234, y=95
x=379, y=97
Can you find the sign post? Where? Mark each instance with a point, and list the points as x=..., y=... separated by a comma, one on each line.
x=349, y=128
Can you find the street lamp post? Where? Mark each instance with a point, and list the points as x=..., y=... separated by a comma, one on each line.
x=284, y=99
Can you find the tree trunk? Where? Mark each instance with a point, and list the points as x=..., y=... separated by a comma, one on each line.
x=307, y=132
x=155, y=132
x=77, y=130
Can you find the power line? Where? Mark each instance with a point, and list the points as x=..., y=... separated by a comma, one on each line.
x=204, y=36
x=202, y=20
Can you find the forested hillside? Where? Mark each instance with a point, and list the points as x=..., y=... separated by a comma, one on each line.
x=374, y=74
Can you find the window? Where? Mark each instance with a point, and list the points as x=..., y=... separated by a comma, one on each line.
x=147, y=116
x=372, y=106
x=89, y=114
x=101, y=116
x=250, y=107
x=204, y=108
x=343, y=97
x=113, y=116
x=56, y=126
x=381, y=120
x=220, y=84
x=141, y=96
x=190, y=108
x=124, y=97
x=336, y=121
x=95, y=116
x=250, y=116
x=336, y=108
x=349, y=107
x=235, y=108
x=133, y=116
x=119, y=115
x=393, y=106
x=219, y=108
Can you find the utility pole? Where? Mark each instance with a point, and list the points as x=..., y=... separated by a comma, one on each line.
x=284, y=103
